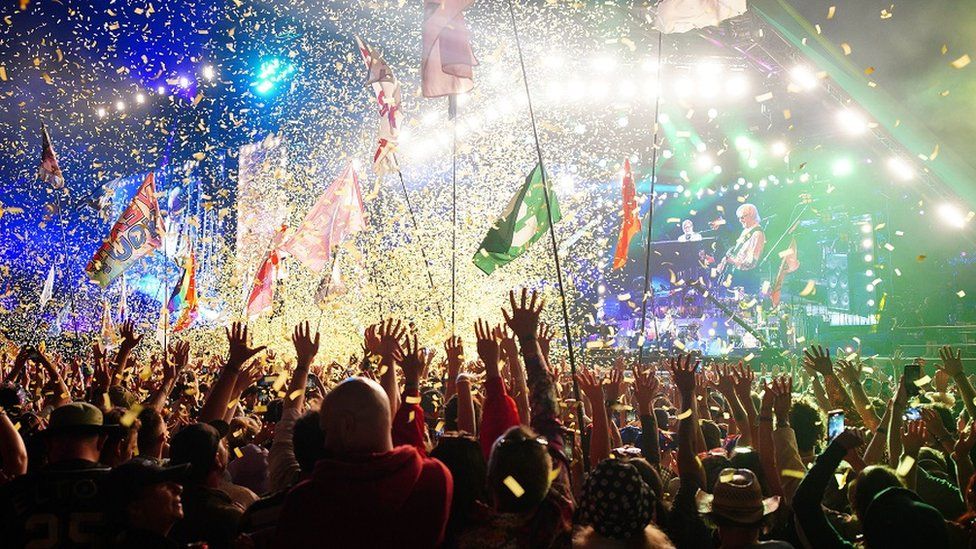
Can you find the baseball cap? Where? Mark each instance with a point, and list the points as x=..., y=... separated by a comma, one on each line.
x=126, y=481
x=76, y=418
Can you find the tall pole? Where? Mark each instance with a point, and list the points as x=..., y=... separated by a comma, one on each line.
x=648, y=287
x=552, y=233
x=452, y=112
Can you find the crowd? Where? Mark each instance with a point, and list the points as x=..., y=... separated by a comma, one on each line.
x=406, y=449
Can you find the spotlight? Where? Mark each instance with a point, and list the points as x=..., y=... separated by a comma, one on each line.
x=870, y=303
x=753, y=163
x=649, y=65
x=803, y=77
x=852, y=122
x=742, y=142
x=712, y=114
x=663, y=118
x=717, y=169
x=709, y=68
x=120, y=106
x=842, y=167
x=208, y=72
x=779, y=148
x=901, y=169
x=599, y=89
x=704, y=162
x=100, y=112
x=869, y=287
x=869, y=272
x=868, y=258
x=804, y=177
x=627, y=89
x=866, y=228
x=184, y=82
x=622, y=122
x=554, y=61
x=270, y=73
x=140, y=98
x=161, y=90
x=737, y=86
x=867, y=243
x=683, y=87
x=952, y=216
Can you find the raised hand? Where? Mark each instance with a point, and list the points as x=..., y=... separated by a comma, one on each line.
x=850, y=371
x=818, y=360
x=590, y=386
x=454, y=350
x=371, y=342
x=488, y=349
x=546, y=333
x=646, y=388
x=743, y=377
x=683, y=374
x=414, y=362
x=615, y=380
x=391, y=338
x=913, y=435
x=524, y=320
x=239, y=350
x=181, y=356
x=934, y=427
x=850, y=439
x=128, y=333
x=782, y=388
x=305, y=346
x=964, y=444
x=724, y=379
x=951, y=361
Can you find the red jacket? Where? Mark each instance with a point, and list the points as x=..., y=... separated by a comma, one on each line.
x=499, y=413
x=396, y=499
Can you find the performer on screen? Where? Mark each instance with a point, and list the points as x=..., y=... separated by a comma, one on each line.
x=744, y=256
x=688, y=233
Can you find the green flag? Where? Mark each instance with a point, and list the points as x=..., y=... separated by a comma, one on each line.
x=524, y=221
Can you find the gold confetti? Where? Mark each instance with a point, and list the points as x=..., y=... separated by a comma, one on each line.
x=684, y=415
x=764, y=97
x=793, y=473
x=809, y=289
x=831, y=11
x=513, y=486
x=413, y=400
x=238, y=453
x=961, y=293
x=846, y=47
x=905, y=465
x=130, y=415
x=961, y=62
x=922, y=381
x=295, y=394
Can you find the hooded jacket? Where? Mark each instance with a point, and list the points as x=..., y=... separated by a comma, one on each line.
x=395, y=499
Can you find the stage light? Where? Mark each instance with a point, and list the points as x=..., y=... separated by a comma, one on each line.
x=712, y=114
x=704, y=162
x=623, y=121
x=869, y=287
x=867, y=243
x=900, y=169
x=952, y=216
x=852, y=122
x=120, y=106
x=554, y=91
x=804, y=177
x=270, y=73
x=709, y=68
x=737, y=86
x=779, y=148
x=683, y=87
x=100, y=112
x=869, y=272
x=140, y=98
x=753, y=163
x=803, y=78
x=580, y=129
x=627, y=89
x=208, y=72
x=701, y=147
x=554, y=61
x=576, y=90
x=184, y=82
x=868, y=258
x=667, y=153
x=599, y=89
x=870, y=303
x=742, y=142
x=649, y=64
x=842, y=167
x=604, y=63
x=161, y=90
x=717, y=170
x=866, y=228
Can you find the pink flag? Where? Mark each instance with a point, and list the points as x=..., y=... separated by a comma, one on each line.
x=337, y=214
x=447, y=60
x=262, y=293
x=386, y=88
x=674, y=16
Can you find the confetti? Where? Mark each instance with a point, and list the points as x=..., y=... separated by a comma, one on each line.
x=961, y=62
x=809, y=289
x=905, y=465
x=513, y=486
x=684, y=415
x=846, y=47
x=831, y=11
x=793, y=473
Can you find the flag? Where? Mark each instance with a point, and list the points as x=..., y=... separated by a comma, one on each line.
x=672, y=16
x=162, y=327
x=447, y=60
x=49, y=170
x=262, y=292
x=629, y=218
x=57, y=327
x=523, y=222
x=138, y=231
x=110, y=337
x=185, y=294
x=48, y=290
x=386, y=88
x=330, y=285
x=335, y=215
x=789, y=264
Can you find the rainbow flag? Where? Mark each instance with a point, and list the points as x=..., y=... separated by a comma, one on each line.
x=185, y=294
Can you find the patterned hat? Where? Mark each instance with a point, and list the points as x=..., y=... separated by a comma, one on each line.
x=616, y=501
x=737, y=497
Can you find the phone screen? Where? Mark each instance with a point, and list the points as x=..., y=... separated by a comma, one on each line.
x=835, y=423
x=913, y=413
x=912, y=373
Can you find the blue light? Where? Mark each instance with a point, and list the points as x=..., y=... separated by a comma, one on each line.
x=270, y=73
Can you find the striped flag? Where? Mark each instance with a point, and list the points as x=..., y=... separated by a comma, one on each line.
x=261, y=296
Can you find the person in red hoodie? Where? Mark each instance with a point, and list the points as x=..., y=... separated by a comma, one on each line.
x=366, y=492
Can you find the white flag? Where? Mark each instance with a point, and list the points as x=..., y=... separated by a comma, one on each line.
x=672, y=16
x=48, y=288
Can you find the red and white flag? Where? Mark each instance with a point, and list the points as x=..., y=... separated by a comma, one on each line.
x=674, y=16
x=335, y=215
x=630, y=223
x=49, y=170
x=448, y=61
x=386, y=88
x=262, y=292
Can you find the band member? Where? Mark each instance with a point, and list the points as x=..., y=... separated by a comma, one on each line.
x=748, y=248
x=688, y=233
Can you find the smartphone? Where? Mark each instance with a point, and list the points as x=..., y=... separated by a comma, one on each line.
x=835, y=423
x=913, y=413
x=912, y=373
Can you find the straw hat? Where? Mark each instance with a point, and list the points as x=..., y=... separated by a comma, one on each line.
x=737, y=497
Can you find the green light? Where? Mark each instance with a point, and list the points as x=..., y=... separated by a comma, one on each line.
x=842, y=167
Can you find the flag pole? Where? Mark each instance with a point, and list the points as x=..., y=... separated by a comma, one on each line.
x=64, y=258
x=452, y=112
x=416, y=228
x=648, y=287
x=552, y=233
x=328, y=284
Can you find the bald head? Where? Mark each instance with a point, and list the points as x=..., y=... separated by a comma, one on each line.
x=355, y=418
